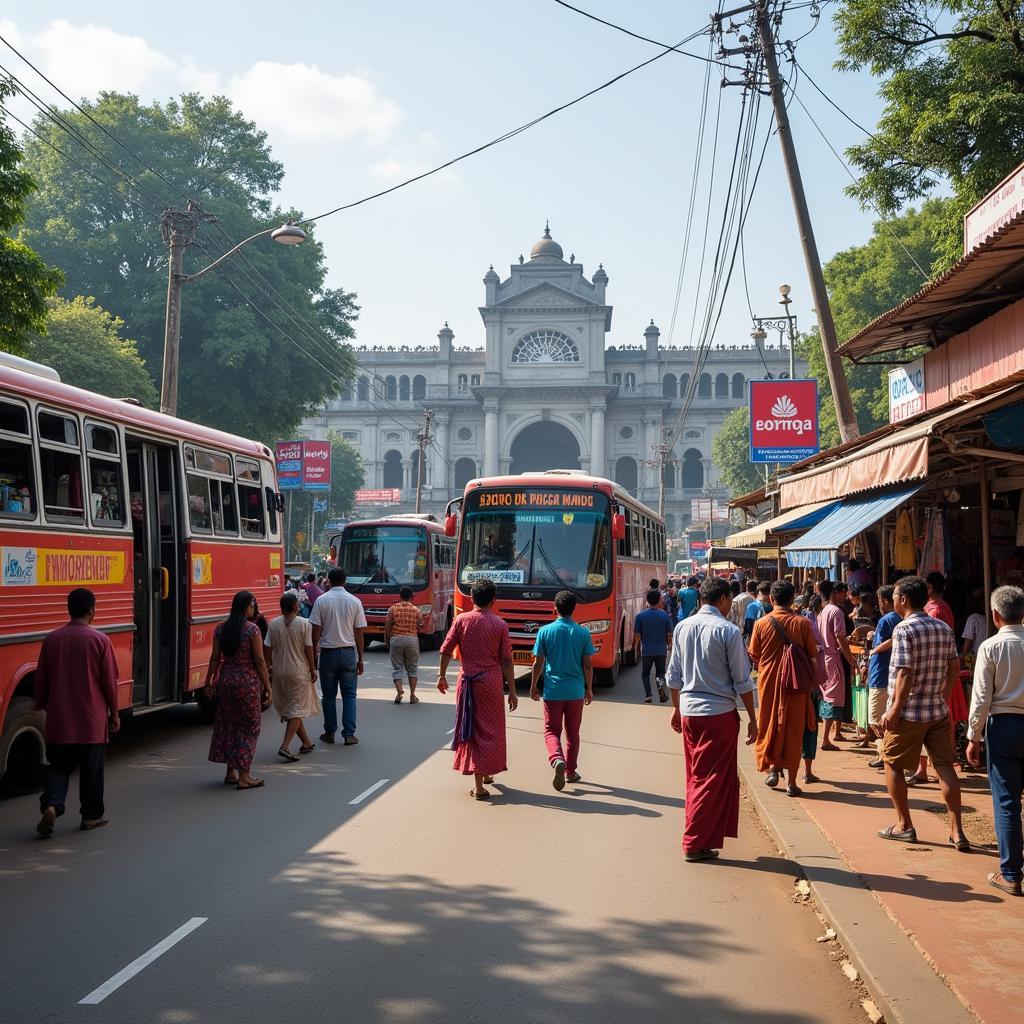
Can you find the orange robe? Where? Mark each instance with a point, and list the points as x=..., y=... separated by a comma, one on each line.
x=782, y=715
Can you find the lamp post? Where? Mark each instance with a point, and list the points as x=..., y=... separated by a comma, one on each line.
x=785, y=325
x=179, y=231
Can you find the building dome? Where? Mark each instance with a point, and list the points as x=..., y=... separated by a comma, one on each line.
x=546, y=247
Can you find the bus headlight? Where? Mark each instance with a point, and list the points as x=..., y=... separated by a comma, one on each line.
x=424, y=609
x=598, y=625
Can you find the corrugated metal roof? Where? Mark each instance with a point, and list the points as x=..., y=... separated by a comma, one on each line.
x=980, y=284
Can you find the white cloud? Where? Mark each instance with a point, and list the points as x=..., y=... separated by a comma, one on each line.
x=304, y=102
x=393, y=170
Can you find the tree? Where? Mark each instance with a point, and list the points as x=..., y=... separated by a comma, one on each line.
x=25, y=279
x=730, y=451
x=255, y=372
x=346, y=478
x=83, y=343
x=953, y=86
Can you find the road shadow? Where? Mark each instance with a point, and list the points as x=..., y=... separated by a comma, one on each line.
x=570, y=800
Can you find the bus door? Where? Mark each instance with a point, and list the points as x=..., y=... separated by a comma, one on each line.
x=152, y=482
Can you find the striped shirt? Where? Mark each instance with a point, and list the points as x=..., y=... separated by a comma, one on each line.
x=403, y=619
x=926, y=646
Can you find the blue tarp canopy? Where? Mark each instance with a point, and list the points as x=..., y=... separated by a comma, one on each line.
x=817, y=548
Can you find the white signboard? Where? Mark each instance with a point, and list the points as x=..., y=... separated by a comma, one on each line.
x=703, y=509
x=497, y=575
x=1002, y=204
x=906, y=391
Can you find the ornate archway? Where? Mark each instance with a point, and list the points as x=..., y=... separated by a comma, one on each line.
x=544, y=445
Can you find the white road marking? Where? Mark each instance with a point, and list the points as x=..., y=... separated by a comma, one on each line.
x=369, y=792
x=97, y=995
x=450, y=731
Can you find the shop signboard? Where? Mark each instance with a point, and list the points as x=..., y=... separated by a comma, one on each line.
x=1001, y=205
x=316, y=465
x=288, y=456
x=703, y=509
x=386, y=496
x=783, y=420
x=906, y=391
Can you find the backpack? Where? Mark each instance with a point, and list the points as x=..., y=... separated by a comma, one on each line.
x=798, y=673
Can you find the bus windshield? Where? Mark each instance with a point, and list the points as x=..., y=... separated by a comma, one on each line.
x=390, y=556
x=536, y=538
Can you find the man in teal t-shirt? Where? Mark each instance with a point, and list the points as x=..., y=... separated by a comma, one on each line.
x=561, y=655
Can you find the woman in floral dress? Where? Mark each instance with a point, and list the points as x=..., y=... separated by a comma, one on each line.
x=237, y=676
x=485, y=650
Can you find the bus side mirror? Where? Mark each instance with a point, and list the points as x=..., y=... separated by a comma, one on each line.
x=450, y=525
x=618, y=526
x=278, y=502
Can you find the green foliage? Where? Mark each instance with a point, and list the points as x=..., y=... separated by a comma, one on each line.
x=83, y=343
x=25, y=280
x=238, y=371
x=953, y=86
x=346, y=479
x=730, y=451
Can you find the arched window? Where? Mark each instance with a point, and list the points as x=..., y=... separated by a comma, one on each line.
x=465, y=470
x=419, y=387
x=616, y=378
x=722, y=386
x=684, y=384
x=463, y=384
x=738, y=385
x=390, y=388
x=625, y=473
x=668, y=385
x=474, y=380
x=403, y=388
x=692, y=435
x=392, y=469
x=630, y=381
x=545, y=347
x=363, y=389
x=693, y=470
x=670, y=475
x=704, y=387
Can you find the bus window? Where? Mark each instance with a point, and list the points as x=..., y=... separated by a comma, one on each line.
x=60, y=458
x=101, y=439
x=106, y=490
x=198, y=502
x=207, y=461
x=222, y=503
x=17, y=473
x=250, y=501
x=247, y=471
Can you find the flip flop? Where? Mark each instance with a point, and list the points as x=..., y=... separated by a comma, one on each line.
x=286, y=755
x=252, y=785
x=307, y=750
x=88, y=826
x=479, y=796
x=414, y=700
x=398, y=699
x=893, y=833
x=231, y=782
x=960, y=845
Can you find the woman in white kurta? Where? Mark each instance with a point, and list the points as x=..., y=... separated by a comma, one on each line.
x=290, y=655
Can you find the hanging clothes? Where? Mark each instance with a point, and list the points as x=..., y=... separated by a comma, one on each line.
x=904, y=549
x=933, y=555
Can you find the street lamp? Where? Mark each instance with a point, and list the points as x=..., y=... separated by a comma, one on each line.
x=179, y=230
x=785, y=325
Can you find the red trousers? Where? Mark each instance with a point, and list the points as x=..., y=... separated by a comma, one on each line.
x=712, y=780
x=559, y=715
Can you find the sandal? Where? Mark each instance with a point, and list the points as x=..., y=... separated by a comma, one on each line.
x=286, y=755
x=488, y=780
x=414, y=699
x=479, y=796
x=398, y=699
x=307, y=750
x=255, y=784
x=893, y=832
x=828, y=746
x=230, y=780
x=962, y=845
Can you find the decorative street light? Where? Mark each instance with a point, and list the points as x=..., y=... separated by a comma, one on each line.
x=179, y=230
x=785, y=325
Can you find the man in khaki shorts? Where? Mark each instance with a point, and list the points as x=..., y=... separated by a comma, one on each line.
x=401, y=636
x=923, y=669
x=878, y=668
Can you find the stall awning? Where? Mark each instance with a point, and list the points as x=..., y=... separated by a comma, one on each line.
x=802, y=518
x=817, y=548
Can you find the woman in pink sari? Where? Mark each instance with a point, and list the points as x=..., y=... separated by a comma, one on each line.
x=485, y=650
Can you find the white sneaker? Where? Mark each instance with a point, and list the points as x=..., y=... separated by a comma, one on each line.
x=559, y=780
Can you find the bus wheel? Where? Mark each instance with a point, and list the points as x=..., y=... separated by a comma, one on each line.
x=22, y=747
x=628, y=653
x=608, y=676
x=442, y=633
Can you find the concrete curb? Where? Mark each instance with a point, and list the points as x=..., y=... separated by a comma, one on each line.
x=899, y=979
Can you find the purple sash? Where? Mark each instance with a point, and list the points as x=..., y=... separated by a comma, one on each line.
x=464, y=711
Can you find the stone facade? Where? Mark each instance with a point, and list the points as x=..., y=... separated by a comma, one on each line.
x=545, y=391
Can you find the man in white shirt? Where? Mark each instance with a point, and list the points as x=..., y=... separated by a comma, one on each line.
x=338, y=622
x=998, y=702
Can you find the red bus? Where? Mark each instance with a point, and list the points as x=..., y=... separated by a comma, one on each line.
x=163, y=519
x=539, y=533
x=382, y=555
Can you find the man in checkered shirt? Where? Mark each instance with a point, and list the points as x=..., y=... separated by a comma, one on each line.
x=923, y=670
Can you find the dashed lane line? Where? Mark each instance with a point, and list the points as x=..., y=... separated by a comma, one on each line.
x=97, y=995
x=369, y=792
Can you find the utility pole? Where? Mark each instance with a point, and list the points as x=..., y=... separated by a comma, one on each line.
x=662, y=458
x=826, y=327
x=423, y=438
x=179, y=231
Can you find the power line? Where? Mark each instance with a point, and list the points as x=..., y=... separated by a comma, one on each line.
x=506, y=136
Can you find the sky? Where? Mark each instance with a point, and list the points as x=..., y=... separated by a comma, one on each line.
x=357, y=96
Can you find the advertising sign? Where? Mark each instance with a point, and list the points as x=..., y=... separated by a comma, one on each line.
x=1001, y=205
x=906, y=391
x=316, y=465
x=288, y=455
x=703, y=509
x=387, y=496
x=783, y=420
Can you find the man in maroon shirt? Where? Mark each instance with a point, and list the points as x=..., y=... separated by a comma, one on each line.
x=76, y=685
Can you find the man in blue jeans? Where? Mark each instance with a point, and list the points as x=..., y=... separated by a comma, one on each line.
x=998, y=701
x=338, y=622
x=652, y=631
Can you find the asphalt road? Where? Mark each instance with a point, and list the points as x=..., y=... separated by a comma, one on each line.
x=416, y=905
